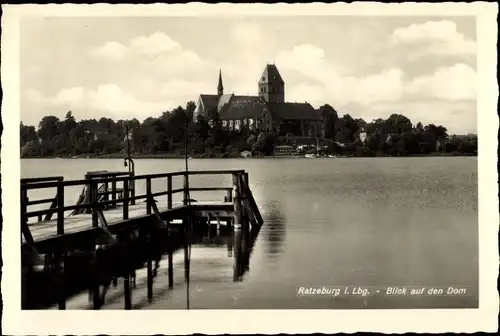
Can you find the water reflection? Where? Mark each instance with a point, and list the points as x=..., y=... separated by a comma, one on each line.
x=275, y=230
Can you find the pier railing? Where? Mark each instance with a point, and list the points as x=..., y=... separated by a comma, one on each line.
x=95, y=203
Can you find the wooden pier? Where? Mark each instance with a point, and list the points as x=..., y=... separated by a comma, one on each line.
x=115, y=227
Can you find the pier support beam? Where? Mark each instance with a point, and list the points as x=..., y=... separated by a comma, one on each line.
x=170, y=258
x=150, y=280
x=237, y=256
x=150, y=270
x=186, y=248
x=96, y=296
x=60, y=274
x=127, y=292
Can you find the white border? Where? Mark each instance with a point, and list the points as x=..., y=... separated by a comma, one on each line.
x=17, y=322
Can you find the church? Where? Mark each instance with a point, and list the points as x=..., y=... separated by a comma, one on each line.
x=265, y=112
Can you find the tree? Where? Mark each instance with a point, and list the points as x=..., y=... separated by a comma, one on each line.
x=190, y=108
x=48, y=128
x=330, y=117
x=166, y=133
x=27, y=134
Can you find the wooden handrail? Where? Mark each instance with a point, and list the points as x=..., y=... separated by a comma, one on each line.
x=94, y=175
x=29, y=180
x=45, y=185
x=38, y=213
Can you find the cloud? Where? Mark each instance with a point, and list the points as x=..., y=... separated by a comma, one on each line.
x=112, y=50
x=329, y=84
x=457, y=82
x=69, y=95
x=105, y=99
x=320, y=81
x=156, y=44
x=155, y=56
x=434, y=37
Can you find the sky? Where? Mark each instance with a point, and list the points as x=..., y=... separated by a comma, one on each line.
x=137, y=67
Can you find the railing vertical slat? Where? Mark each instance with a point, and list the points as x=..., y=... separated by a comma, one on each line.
x=113, y=190
x=88, y=192
x=60, y=209
x=24, y=206
x=169, y=189
x=93, y=201
x=125, y=198
x=186, y=189
x=149, y=199
x=132, y=188
x=106, y=189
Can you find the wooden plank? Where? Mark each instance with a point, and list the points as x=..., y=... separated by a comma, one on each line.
x=72, y=224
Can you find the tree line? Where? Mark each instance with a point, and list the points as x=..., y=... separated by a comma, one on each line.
x=167, y=134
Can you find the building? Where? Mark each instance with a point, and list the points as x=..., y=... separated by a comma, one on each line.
x=267, y=111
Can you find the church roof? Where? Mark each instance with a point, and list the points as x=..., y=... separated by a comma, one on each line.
x=224, y=99
x=293, y=111
x=241, y=107
x=209, y=101
x=271, y=74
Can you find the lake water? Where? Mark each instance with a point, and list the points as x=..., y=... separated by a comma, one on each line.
x=366, y=222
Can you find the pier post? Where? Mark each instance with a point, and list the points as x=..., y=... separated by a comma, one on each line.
x=113, y=192
x=245, y=222
x=170, y=269
x=237, y=203
x=150, y=270
x=88, y=193
x=230, y=247
x=127, y=292
x=132, y=187
x=150, y=279
x=170, y=260
x=186, y=189
x=60, y=209
x=149, y=198
x=245, y=180
x=94, y=197
x=237, y=256
x=60, y=274
x=186, y=249
x=125, y=197
x=24, y=206
x=237, y=228
x=169, y=189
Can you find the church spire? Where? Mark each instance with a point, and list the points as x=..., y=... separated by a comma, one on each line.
x=220, y=87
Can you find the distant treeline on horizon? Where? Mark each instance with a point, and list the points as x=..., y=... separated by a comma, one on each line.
x=394, y=136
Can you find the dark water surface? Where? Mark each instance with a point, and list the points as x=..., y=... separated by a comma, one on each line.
x=371, y=223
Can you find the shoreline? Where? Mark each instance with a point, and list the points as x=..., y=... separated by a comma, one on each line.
x=173, y=156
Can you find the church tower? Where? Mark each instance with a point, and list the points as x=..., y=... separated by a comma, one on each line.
x=220, y=87
x=271, y=85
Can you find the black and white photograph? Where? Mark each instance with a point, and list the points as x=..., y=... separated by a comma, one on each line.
x=249, y=161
